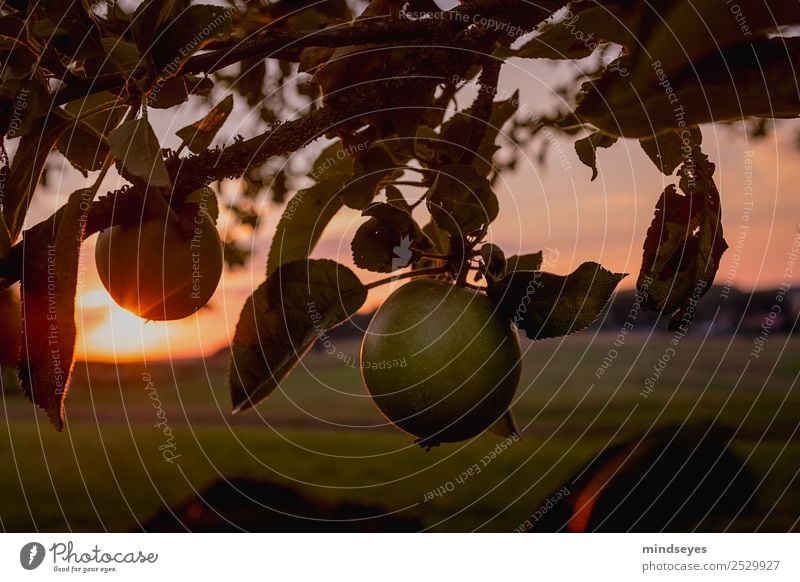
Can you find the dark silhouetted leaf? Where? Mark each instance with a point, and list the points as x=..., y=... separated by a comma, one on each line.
x=305, y=218
x=385, y=242
x=669, y=149
x=84, y=144
x=180, y=37
x=370, y=169
x=586, y=149
x=282, y=319
x=461, y=201
x=684, y=243
x=545, y=305
x=26, y=170
x=531, y=262
x=199, y=135
x=49, y=282
x=136, y=146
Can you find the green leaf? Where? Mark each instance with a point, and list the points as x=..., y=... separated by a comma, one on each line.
x=49, y=282
x=199, y=135
x=370, y=170
x=332, y=162
x=180, y=37
x=148, y=18
x=5, y=239
x=26, y=170
x=385, y=242
x=168, y=93
x=84, y=144
x=282, y=319
x=667, y=150
x=135, y=145
x=586, y=149
x=502, y=112
x=684, y=243
x=396, y=198
x=461, y=201
x=530, y=262
x=303, y=221
x=448, y=148
x=545, y=305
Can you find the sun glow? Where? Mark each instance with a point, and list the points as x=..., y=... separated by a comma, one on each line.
x=109, y=332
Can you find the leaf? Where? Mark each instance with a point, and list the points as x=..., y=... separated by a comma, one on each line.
x=448, y=148
x=531, y=262
x=83, y=145
x=180, y=37
x=667, y=150
x=742, y=81
x=370, y=169
x=461, y=201
x=135, y=145
x=26, y=170
x=586, y=149
x=396, y=198
x=684, y=243
x=385, y=242
x=282, y=319
x=494, y=260
x=199, y=135
x=49, y=282
x=148, y=18
x=5, y=240
x=502, y=111
x=303, y=221
x=545, y=305
x=168, y=93
x=505, y=426
x=332, y=162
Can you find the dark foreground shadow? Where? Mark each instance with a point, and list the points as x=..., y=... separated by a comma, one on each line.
x=672, y=479
x=262, y=506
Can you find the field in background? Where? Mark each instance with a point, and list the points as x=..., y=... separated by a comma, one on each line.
x=321, y=433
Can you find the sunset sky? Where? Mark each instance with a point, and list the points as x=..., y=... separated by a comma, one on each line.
x=554, y=207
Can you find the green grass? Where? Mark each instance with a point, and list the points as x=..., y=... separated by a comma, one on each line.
x=321, y=433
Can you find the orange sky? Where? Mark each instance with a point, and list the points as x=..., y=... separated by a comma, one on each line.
x=555, y=208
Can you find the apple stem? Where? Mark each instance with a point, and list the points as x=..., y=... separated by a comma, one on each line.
x=410, y=274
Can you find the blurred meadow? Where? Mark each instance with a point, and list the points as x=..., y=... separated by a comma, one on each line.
x=114, y=468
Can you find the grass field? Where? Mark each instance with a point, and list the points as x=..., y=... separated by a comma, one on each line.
x=322, y=434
